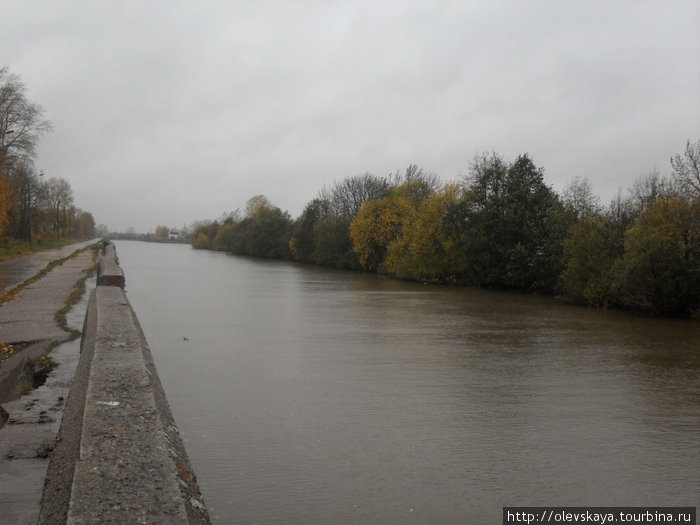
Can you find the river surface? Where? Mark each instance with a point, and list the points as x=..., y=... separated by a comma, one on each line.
x=309, y=395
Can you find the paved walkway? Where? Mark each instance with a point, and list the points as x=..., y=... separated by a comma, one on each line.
x=30, y=316
x=33, y=420
x=15, y=271
x=29, y=437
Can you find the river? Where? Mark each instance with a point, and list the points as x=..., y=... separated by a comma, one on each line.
x=310, y=395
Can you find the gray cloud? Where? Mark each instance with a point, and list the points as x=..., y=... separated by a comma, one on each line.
x=168, y=112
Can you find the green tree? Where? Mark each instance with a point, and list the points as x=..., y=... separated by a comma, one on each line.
x=661, y=265
x=201, y=241
x=268, y=233
x=264, y=232
x=592, y=252
x=203, y=234
x=333, y=245
x=303, y=241
x=226, y=236
x=516, y=226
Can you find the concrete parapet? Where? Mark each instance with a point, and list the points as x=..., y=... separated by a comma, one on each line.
x=109, y=273
x=120, y=458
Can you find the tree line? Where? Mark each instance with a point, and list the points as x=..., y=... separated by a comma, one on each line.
x=32, y=208
x=500, y=227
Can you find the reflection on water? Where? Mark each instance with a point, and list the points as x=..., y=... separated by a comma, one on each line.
x=311, y=395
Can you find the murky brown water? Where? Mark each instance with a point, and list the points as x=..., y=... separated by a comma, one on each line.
x=307, y=395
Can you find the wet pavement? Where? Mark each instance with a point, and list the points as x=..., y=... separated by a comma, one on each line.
x=28, y=438
x=30, y=316
x=15, y=271
x=33, y=420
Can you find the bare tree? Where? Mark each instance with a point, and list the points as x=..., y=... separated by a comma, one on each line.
x=21, y=121
x=415, y=173
x=59, y=196
x=28, y=191
x=647, y=189
x=347, y=196
x=5, y=202
x=578, y=196
x=686, y=170
x=85, y=224
x=416, y=184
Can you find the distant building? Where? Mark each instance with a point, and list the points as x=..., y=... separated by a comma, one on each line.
x=174, y=234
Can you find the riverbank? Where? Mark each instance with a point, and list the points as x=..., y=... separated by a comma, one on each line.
x=118, y=457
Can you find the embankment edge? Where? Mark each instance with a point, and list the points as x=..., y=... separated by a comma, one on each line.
x=102, y=467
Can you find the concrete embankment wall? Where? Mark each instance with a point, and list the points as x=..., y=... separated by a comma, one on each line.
x=118, y=457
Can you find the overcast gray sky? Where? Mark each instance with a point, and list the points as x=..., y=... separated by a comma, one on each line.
x=171, y=112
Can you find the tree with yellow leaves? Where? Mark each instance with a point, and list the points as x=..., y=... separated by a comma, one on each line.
x=380, y=222
x=376, y=225
x=426, y=250
x=162, y=232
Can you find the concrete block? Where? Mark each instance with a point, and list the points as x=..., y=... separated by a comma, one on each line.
x=109, y=273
